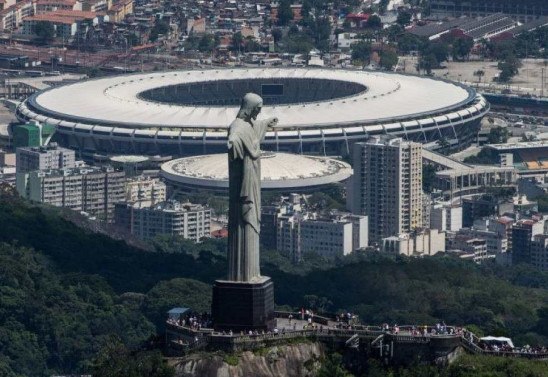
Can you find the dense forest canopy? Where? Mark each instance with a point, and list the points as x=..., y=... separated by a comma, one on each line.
x=65, y=291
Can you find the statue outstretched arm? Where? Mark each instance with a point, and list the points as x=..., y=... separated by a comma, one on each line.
x=262, y=126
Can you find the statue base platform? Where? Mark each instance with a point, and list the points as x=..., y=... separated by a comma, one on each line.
x=243, y=306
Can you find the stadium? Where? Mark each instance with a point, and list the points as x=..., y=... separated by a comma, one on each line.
x=280, y=172
x=321, y=112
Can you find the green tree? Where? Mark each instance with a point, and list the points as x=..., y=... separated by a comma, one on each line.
x=383, y=4
x=373, y=22
x=318, y=304
x=320, y=30
x=277, y=34
x=132, y=39
x=479, y=74
x=176, y=293
x=333, y=367
x=498, y=135
x=116, y=360
x=428, y=63
x=297, y=42
x=285, y=14
x=443, y=144
x=44, y=31
x=394, y=32
x=206, y=43
x=509, y=67
x=160, y=27
x=388, y=59
x=237, y=41
x=361, y=51
x=251, y=45
x=461, y=48
x=306, y=13
x=404, y=18
x=93, y=72
x=408, y=42
x=440, y=51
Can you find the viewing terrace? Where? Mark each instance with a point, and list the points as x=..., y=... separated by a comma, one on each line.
x=392, y=342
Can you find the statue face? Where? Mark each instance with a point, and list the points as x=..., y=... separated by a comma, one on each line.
x=256, y=110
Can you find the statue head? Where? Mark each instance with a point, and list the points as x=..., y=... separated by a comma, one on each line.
x=251, y=106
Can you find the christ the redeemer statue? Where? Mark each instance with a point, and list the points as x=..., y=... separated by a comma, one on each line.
x=244, y=176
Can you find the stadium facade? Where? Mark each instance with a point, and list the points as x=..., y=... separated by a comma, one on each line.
x=521, y=10
x=322, y=112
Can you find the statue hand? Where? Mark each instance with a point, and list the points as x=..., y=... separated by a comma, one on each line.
x=272, y=122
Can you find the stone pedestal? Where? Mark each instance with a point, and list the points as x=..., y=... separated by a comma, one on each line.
x=243, y=306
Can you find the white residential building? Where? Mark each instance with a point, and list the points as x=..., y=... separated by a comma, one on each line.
x=468, y=247
x=338, y=235
x=145, y=189
x=445, y=216
x=387, y=186
x=47, y=157
x=327, y=238
x=190, y=221
x=346, y=40
x=91, y=190
x=495, y=242
x=424, y=242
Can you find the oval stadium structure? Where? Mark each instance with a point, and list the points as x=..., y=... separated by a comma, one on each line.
x=320, y=111
x=281, y=172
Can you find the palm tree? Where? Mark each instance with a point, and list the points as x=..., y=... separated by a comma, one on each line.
x=443, y=144
x=479, y=73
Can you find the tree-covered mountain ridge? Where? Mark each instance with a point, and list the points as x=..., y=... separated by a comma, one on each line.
x=67, y=293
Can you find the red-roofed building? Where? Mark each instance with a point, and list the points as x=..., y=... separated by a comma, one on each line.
x=46, y=6
x=65, y=27
x=357, y=20
x=12, y=16
x=220, y=233
x=65, y=22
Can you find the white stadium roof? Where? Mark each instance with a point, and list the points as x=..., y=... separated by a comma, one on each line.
x=116, y=101
x=278, y=171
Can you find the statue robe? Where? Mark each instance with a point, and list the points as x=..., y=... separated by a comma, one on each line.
x=244, y=171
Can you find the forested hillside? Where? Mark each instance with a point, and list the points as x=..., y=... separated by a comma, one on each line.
x=65, y=292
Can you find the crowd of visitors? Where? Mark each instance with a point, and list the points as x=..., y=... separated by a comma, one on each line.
x=491, y=346
x=193, y=321
x=348, y=321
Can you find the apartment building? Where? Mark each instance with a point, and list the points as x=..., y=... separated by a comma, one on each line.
x=424, y=242
x=145, y=189
x=335, y=236
x=523, y=233
x=48, y=157
x=387, y=186
x=12, y=14
x=539, y=251
x=190, y=221
x=495, y=242
x=66, y=23
x=47, y=6
x=468, y=247
x=91, y=190
x=446, y=216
